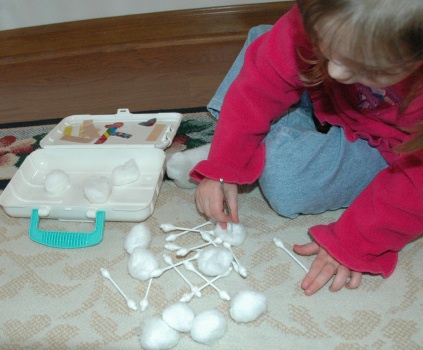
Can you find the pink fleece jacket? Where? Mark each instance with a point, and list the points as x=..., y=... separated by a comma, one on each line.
x=389, y=212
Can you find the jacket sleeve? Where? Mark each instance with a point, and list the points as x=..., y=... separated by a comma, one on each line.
x=266, y=87
x=386, y=216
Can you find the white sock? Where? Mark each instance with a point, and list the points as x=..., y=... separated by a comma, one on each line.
x=180, y=164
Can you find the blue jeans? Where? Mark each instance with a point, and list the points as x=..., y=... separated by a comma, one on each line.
x=306, y=171
x=217, y=100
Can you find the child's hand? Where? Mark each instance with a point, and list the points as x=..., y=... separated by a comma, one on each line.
x=323, y=268
x=209, y=200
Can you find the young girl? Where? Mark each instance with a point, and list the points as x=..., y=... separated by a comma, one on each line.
x=356, y=66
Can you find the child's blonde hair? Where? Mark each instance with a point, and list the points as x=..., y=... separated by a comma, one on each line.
x=386, y=32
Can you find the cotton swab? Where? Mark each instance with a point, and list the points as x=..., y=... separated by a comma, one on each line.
x=172, y=237
x=144, y=301
x=106, y=274
x=280, y=244
x=208, y=236
x=172, y=247
x=159, y=272
x=222, y=293
x=226, y=207
x=185, y=251
x=169, y=227
x=240, y=269
x=193, y=288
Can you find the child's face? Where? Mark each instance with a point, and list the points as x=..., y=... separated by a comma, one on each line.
x=346, y=70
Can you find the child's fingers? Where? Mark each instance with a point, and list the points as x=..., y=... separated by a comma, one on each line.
x=209, y=200
x=307, y=249
x=320, y=279
x=345, y=277
x=355, y=280
x=313, y=279
x=213, y=210
x=323, y=268
x=342, y=275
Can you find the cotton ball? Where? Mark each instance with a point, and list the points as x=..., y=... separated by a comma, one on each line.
x=97, y=189
x=214, y=261
x=142, y=263
x=179, y=316
x=208, y=326
x=56, y=181
x=138, y=236
x=126, y=173
x=180, y=164
x=247, y=306
x=235, y=237
x=157, y=335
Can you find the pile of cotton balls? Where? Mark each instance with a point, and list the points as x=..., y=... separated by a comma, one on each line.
x=208, y=325
x=96, y=189
x=164, y=332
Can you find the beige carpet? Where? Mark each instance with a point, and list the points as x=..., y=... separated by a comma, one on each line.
x=57, y=299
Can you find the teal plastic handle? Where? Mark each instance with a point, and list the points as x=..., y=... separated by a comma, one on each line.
x=59, y=239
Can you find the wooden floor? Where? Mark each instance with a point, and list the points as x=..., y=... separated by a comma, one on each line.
x=175, y=74
x=103, y=82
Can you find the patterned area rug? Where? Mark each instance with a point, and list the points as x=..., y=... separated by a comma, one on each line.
x=57, y=298
x=18, y=140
